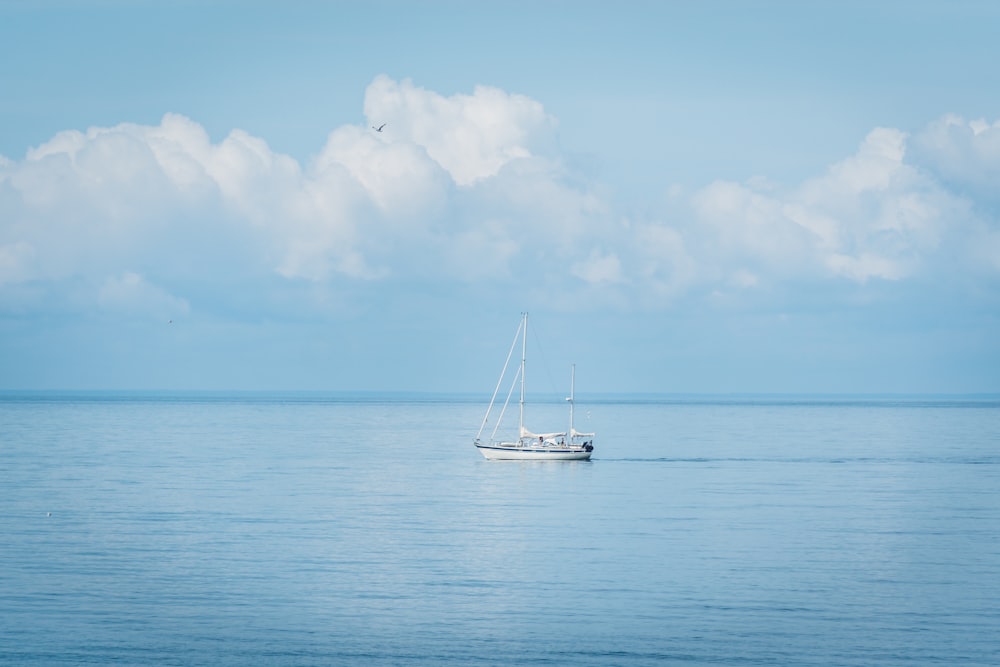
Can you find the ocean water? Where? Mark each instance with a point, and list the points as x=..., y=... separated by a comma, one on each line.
x=250, y=529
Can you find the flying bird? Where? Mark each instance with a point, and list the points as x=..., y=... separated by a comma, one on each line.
x=379, y=128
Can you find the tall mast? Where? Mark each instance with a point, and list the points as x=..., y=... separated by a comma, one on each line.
x=572, y=384
x=524, y=345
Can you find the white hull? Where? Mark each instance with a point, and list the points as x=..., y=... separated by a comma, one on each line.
x=502, y=452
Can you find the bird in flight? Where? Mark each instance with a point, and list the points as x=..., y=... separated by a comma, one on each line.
x=379, y=128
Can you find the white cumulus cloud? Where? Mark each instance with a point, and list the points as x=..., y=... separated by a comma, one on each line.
x=473, y=188
x=870, y=216
x=471, y=136
x=467, y=181
x=963, y=153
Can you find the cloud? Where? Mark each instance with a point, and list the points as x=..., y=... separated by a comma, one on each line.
x=472, y=136
x=398, y=177
x=473, y=188
x=15, y=260
x=662, y=262
x=130, y=293
x=450, y=178
x=599, y=269
x=870, y=216
x=481, y=253
x=964, y=154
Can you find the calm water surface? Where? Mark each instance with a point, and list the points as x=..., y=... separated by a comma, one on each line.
x=330, y=530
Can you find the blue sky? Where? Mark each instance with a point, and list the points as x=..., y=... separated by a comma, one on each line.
x=688, y=197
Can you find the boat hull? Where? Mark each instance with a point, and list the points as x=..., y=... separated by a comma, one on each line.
x=508, y=453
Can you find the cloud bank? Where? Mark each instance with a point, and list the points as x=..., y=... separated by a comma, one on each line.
x=473, y=190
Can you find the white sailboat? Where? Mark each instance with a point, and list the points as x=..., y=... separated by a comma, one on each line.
x=569, y=445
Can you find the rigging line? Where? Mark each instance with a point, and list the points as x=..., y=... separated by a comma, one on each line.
x=503, y=410
x=499, y=382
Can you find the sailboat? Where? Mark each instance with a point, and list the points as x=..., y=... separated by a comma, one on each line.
x=569, y=445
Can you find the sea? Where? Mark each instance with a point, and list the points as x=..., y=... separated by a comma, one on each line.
x=366, y=529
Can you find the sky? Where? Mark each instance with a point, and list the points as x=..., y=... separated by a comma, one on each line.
x=688, y=198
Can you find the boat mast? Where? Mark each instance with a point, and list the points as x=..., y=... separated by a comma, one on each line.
x=524, y=345
x=572, y=384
